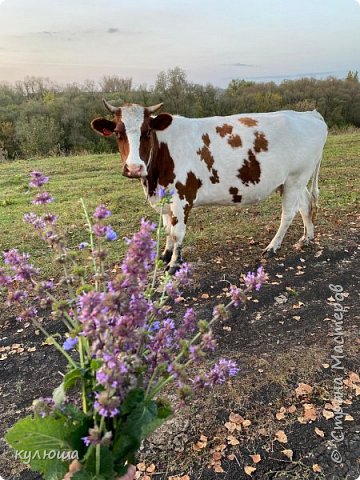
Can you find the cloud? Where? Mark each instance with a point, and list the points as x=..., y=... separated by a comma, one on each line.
x=239, y=64
x=113, y=30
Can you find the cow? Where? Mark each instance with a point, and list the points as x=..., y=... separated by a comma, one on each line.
x=232, y=160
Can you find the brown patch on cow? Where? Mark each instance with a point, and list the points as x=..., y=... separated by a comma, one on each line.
x=206, y=156
x=161, y=168
x=215, y=176
x=188, y=192
x=235, y=194
x=121, y=138
x=280, y=190
x=187, y=210
x=206, y=139
x=174, y=220
x=235, y=141
x=260, y=142
x=224, y=130
x=249, y=122
x=250, y=172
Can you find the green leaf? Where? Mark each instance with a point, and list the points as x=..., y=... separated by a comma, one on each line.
x=71, y=378
x=138, y=420
x=36, y=438
x=58, y=394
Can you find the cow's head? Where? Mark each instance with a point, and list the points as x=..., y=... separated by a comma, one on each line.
x=134, y=129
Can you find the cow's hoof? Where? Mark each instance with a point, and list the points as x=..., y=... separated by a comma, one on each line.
x=303, y=243
x=268, y=253
x=166, y=256
x=173, y=269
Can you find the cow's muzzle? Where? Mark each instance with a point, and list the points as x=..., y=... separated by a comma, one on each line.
x=136, y=171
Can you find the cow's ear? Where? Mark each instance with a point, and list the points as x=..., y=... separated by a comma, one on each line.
x=103, y=126
x=161, y=122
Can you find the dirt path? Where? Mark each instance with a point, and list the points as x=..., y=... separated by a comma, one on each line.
x=284, y=336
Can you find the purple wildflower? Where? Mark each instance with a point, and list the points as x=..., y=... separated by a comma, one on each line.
x=140, y=256
x=37, y=179
x=208, y=342
x=70, y=343
x=237, y=295
x=110, y=234
x=189, y=320
x=171, y=290
x=34, y=220
x=50, y=218
x=27, y=314
x=256, y=280
x=183, y=274
x=14, y=258
x=101, y=212
x=5, y=280
x=100, y=230
x=93, y=438
x=106, y=404
x=43, y=198
x=221, y=371
x=43, y=406
x=162, y=192
x=83, y=245
x=16, y=296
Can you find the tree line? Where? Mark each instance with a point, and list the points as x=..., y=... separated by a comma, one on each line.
x=39, y=117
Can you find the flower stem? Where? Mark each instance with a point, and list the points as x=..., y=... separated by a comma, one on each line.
x=47, y=335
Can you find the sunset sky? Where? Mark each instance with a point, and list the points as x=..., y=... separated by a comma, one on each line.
x=213, y=41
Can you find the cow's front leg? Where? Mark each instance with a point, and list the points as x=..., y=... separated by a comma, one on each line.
x=169, y=247
x=178, y=229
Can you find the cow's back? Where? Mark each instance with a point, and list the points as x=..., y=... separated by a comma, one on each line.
x=253, y=153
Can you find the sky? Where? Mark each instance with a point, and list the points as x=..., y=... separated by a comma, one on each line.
x=213, y=41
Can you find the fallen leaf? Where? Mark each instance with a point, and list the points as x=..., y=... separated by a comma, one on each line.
x=232, y=440
x=316, y=468
x=349, y=418
x=280, y=415
x=296, y=317
x=309, y=412
x=288, y=453
x=205, y=295
x=249, y=470
x=303, y=389
x=230, y=426
x=319, y=432
x=151, y=468
x=231, y=457
x=218, y=469
x=292, y=409
x=280, y=436
x=256, y=458
x=325, y=365
x=246, y=423
x=328, y=414
x=141, y=466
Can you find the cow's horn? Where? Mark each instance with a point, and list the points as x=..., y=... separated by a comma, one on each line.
x=110, y=107
x=154, y=108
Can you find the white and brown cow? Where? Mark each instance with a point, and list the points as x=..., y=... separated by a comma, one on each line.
x=234, y=160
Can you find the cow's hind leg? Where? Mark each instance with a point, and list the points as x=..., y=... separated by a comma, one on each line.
x=169, y=247
x=290, y=206
x=306, y=211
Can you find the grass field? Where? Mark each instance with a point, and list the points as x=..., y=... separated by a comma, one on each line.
x=97, y=178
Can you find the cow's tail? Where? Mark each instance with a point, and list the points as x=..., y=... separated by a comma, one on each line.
x=314, y=191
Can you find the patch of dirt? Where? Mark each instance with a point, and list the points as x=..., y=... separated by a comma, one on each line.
x=284, y=336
